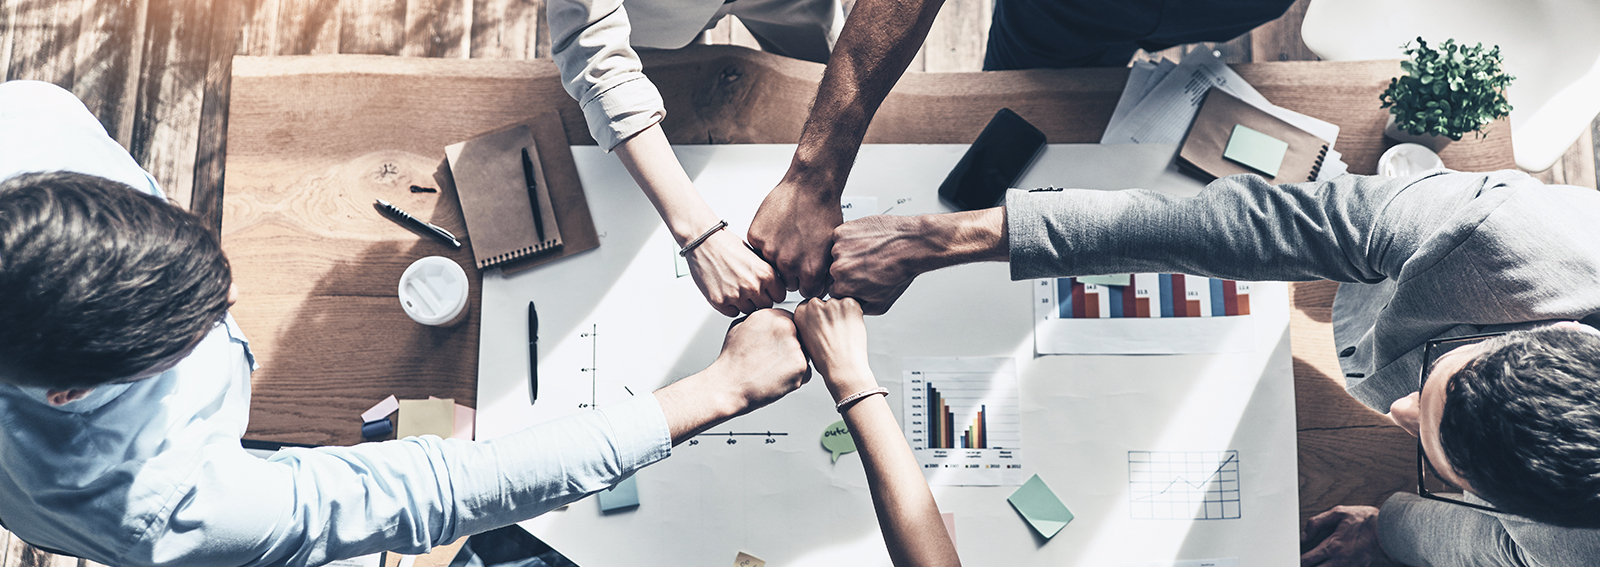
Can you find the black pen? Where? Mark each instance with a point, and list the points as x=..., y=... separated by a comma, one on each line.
x=406, y=218
x=533, y=354
x=533, y=192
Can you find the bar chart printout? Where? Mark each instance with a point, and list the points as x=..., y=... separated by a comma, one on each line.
x=1142, y=314
x=962, y=420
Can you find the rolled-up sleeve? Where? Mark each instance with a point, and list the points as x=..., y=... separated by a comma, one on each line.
x=311, y=506
x=589, y=40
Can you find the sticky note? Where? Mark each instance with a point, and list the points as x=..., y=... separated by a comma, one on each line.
x=1255, y=150
x=1040, y=507
x=466, y=422
x=426, y=417
x=837, y=440
x=380, y=411
x=949, y=524
x=1119, y=279
x=623, y=495
x=747, y=560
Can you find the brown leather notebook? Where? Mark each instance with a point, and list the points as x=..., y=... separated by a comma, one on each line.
x=1203, y=148
x=555, y=173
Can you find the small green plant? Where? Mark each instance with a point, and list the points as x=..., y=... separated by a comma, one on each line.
x=1449, y=90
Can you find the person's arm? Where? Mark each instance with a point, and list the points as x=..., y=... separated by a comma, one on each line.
x=1417, y=531
x=311, y=506
x=589, y=41
x=1350, y=229
x=836, y=338
x=728, y=272
x=795, y=223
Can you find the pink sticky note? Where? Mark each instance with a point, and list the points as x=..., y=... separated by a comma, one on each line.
x=950, y=525
x=382, y=410
x=466, y=420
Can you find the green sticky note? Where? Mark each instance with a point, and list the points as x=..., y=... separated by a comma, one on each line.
x=1040, y=507
x=837, y=440
x=623, y=495
x=680, y=263
x=1255, y=150
x=1119, y=279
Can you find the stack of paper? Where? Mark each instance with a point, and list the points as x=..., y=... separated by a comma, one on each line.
x=1161, y=100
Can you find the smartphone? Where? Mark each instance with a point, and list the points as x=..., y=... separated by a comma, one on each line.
x=994, y=163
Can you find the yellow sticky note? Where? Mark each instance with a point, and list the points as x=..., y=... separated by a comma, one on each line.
x=426, y=417
x=747, y=560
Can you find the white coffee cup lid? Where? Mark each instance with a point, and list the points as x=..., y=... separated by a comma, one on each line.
x=1408, y=159
x=433, y=290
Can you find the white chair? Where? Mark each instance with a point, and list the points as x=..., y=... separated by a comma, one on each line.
x=1550, y=46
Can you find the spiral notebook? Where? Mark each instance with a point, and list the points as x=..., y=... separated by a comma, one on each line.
x=1217, y=146
x=504, y=197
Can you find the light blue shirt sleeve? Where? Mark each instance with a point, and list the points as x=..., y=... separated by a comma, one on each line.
x=311, y=506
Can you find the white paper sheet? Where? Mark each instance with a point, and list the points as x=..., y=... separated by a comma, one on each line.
x=961, y=420
x=617, y=319
x=1142, y=318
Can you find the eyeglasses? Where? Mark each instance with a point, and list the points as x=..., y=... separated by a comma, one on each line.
x=1431, y=353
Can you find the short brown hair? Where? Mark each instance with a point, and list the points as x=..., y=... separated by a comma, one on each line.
x=99, y=281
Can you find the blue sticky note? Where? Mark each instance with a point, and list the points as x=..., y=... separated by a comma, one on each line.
x=624, y=495
x=1255, y=150
x=1040, y=507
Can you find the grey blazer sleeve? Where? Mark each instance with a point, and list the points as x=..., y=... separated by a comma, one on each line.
x=599, y=68
x=1238, y=227
x=1425, y=533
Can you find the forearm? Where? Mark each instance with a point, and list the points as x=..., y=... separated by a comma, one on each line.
x=692, y=405
x=649, y=159
x=907, y=513
x=878, y=42
x=1426, y=533
x=962, y=238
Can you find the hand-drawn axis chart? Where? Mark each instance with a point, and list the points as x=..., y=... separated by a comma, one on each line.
x=1183, y=485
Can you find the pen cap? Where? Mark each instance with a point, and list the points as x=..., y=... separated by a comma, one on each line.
x=433, y=291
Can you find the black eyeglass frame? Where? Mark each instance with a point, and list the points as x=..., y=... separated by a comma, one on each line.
x=1428, y=359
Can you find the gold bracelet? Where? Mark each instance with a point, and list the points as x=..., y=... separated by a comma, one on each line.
x=853, y=398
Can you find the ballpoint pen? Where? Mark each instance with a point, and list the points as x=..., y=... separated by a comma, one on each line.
x=533, y=192
x=405, y=218
x=533, y=354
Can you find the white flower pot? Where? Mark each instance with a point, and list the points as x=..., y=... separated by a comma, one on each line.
x=1393, y=132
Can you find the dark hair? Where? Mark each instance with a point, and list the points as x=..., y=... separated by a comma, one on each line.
x=1521, y=424
x=99, y=281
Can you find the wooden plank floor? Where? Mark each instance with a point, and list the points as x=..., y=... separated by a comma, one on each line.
x=156, y=73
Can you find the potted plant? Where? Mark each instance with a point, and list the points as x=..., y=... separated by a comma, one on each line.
x=1448, y=91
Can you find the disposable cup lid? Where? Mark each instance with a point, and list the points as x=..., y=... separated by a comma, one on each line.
x=433, y=290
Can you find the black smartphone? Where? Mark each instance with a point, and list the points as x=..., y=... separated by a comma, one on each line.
x=1005, y=149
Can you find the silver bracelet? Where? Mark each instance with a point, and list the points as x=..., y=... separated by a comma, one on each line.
x=853, y=398
x=696, y=242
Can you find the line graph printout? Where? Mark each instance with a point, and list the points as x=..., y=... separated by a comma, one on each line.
x=1142, y=314
x=962, y=420
x=1183, y=485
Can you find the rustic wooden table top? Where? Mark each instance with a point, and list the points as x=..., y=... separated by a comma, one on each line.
x=312, y=141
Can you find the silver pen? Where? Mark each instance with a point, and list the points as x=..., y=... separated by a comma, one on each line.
x=406, y=218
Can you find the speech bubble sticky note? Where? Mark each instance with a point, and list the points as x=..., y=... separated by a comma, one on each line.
x=837, y=440
x=747, y=560
x=1039, y=505
x=624, y=494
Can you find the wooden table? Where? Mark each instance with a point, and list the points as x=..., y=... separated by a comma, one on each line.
x=313, y=140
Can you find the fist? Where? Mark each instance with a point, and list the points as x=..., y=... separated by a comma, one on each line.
x=835, y=336
x=875, y=258
x=761, y=359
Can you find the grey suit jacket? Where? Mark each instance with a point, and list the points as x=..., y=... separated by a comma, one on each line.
x=1436, y=255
